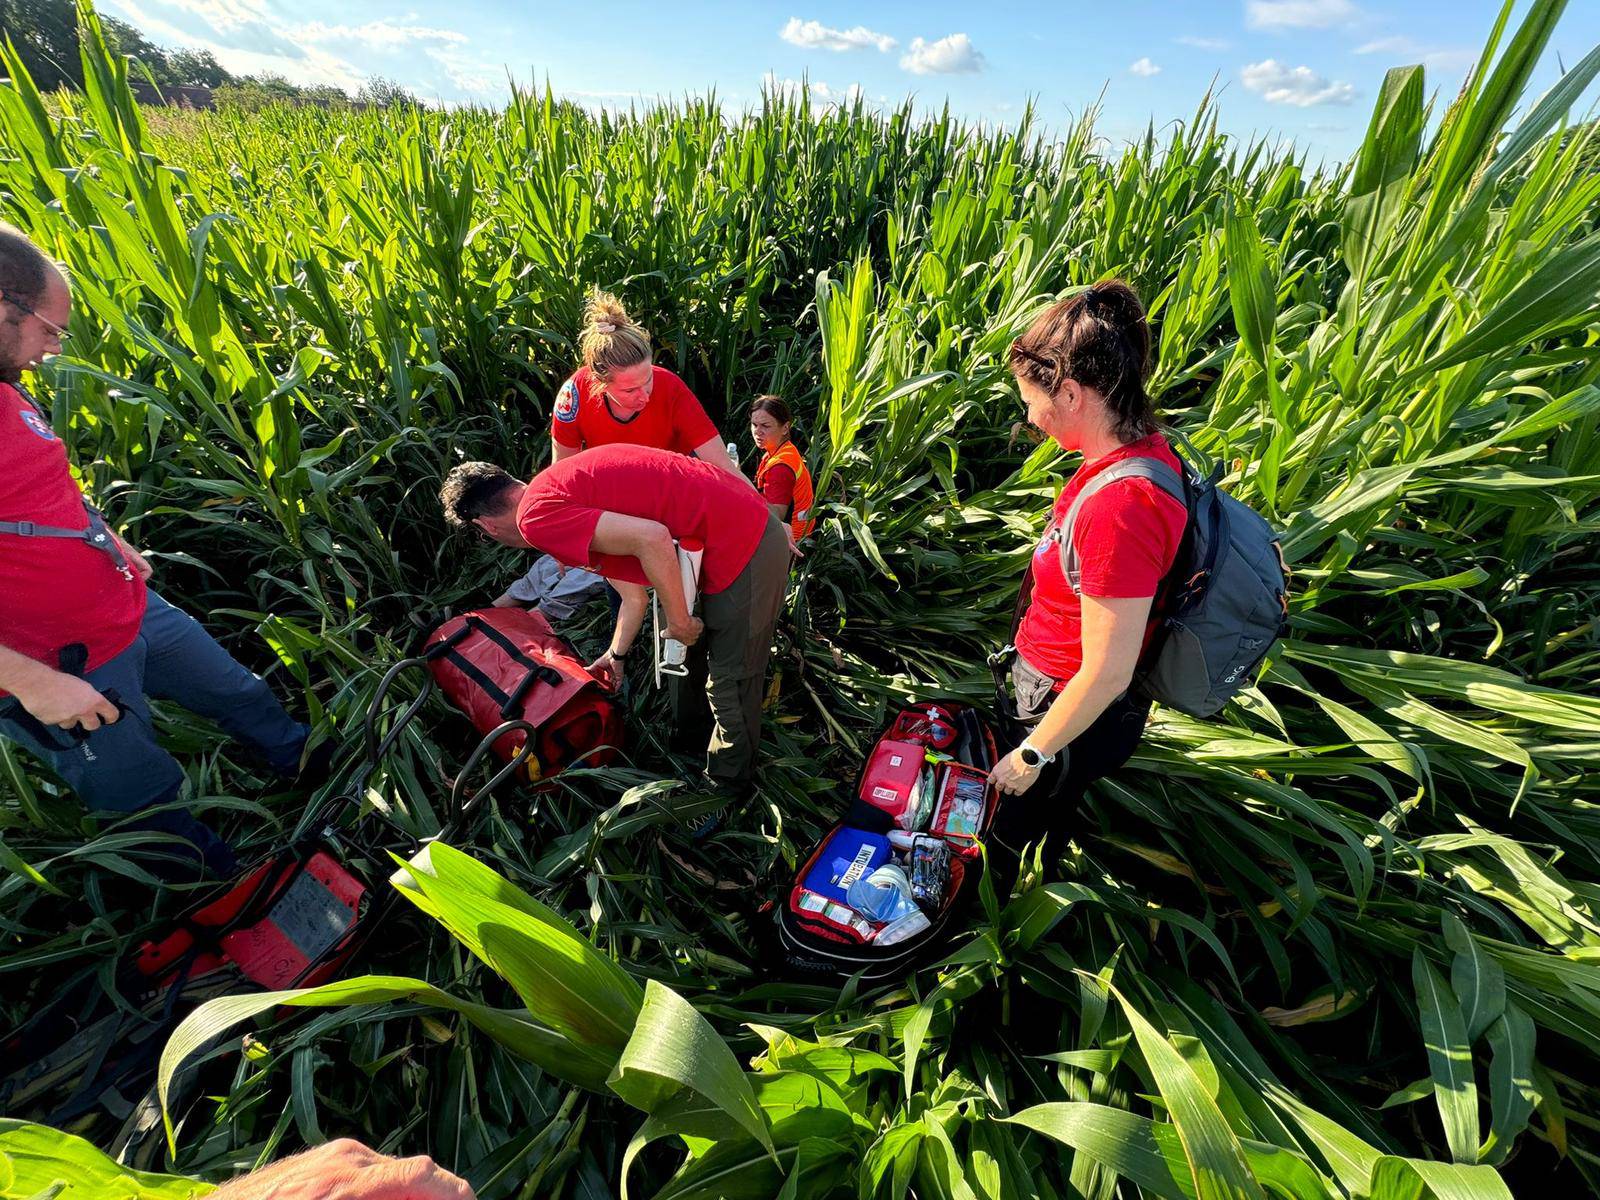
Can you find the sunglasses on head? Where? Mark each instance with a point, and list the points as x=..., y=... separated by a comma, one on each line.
x=27, y=310
x=1018, y=350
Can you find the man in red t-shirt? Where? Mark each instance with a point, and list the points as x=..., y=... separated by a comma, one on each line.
x=82, y=637
x=618, y=510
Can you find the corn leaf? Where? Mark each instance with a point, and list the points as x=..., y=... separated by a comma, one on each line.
x=1444, y=1034
x=37, y=1161
x=1476, y=979
x=1512, y=1091
x=672, y=1048
x=1215, y=1160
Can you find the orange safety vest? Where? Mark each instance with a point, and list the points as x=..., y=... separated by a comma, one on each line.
x=800, y=519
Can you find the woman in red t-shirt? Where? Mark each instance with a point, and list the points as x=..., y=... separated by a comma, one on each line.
x=1081, y=368
x=619, y=395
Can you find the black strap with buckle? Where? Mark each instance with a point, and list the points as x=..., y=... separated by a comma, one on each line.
x=95, y=535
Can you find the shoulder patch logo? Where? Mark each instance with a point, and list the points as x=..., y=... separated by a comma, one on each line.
x=567, y=401
x=1051, y=539
x=37, y=424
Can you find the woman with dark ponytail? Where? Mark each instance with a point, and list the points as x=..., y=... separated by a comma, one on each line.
x=1081, y=370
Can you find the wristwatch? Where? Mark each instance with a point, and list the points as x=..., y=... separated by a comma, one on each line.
x=618, y=653
x=1032, y=758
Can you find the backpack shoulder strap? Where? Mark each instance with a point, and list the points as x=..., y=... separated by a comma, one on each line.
x=1152, y=469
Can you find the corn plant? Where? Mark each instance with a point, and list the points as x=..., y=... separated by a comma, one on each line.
x=1339, y=942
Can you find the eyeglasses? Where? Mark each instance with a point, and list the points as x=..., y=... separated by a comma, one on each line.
x=18, y=303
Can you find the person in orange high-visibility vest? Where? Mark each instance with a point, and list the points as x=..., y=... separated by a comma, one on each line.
x=782, y=478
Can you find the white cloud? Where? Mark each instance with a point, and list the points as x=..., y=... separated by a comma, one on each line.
x=241, y=42
x=822, y=95
x=472, y=75
x=377, y=35
x=1145, y=68
x=248, y=39
x=1300, y=14
x=234, y=24
x=1301, y=86
x=1389, y=45
x=1203, y=43
x=814, y=35
x=1438, y=57
x=225, y=15
x=953, y=55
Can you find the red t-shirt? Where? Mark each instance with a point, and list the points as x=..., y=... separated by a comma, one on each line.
x=777, y=485
x=54, y=591
x=671, y=420
x=561, y=507
x=1126, y=537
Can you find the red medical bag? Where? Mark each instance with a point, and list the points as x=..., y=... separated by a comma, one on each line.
x=502, y=664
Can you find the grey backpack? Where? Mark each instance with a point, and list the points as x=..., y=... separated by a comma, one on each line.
x=1222, y=605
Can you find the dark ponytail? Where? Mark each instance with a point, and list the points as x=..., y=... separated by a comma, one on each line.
x=1098, y=338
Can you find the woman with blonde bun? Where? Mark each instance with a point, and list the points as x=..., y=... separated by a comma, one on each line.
x=620, y=396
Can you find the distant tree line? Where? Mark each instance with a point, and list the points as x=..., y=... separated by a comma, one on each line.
x=45, y=34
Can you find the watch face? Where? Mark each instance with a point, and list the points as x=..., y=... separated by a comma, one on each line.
x=1031, y=757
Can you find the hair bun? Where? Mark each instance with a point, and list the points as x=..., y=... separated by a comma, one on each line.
x=610, y=340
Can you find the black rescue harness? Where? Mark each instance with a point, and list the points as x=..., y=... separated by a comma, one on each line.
x=96, y=536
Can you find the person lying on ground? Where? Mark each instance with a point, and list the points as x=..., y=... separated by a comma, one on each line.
x=555, y=589
x=1081, y=368
x=346, y=1170
x=85, y=641
x=618, y=510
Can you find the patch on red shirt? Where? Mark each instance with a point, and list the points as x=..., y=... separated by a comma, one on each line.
x=1126, y=537
x=567, y=402
x=36, y=423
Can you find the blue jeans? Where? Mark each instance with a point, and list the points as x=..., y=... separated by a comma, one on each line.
x=120, y=768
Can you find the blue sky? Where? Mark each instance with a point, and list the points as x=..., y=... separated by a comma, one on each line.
x=1307, y=70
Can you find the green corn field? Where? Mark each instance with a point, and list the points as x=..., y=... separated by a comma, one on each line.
x=1342, y=942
